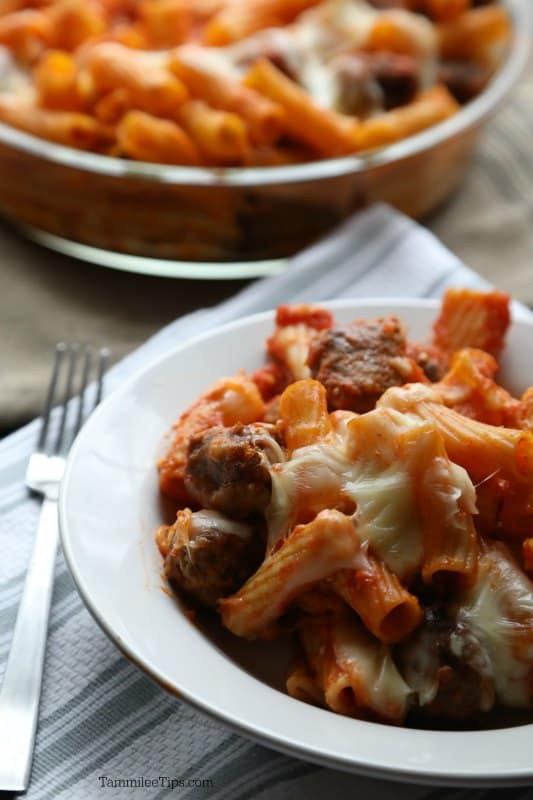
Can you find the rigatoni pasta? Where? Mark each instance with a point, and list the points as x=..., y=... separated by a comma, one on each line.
x=394, y=544
x=386, y=607
x=356, y=674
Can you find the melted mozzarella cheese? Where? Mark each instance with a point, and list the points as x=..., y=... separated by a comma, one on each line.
x=315, y=471
x=313, y=40
x=319, y=34
x=387, y=517
x=388, y=693
x=205, y=522
x=12, y=77
x=334, y=24
x=457, y=493
x=379, y=480
x=499, y=610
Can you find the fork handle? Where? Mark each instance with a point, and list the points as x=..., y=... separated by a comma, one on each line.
x=21, y=688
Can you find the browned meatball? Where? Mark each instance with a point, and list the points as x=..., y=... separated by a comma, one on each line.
x=228, y=469
x=208, y=556
x=370, y=81
x=397, y=75
x=465, y=79
x=358, y=362
x=448, y=669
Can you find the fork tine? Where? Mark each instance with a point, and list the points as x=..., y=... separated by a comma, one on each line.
x=59, y=352
x=102, y=366
x=73, y=351
x=84, y=380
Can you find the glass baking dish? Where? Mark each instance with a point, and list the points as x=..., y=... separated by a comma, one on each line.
x=224, y=223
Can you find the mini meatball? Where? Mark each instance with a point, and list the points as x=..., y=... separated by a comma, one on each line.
x=358, y=362
x=447, y=668
x=228, y=468
x=208, y=556
x=464, y=79
x=398, y=76
x=368, y=82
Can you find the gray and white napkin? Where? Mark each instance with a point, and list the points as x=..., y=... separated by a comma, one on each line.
x=106, y=731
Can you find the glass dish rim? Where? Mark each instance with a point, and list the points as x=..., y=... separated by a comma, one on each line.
x=472, y=113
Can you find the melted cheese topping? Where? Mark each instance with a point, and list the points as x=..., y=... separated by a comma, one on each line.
x=314, y=39
x=380, y=480
x=205, y=522
x=499, y=611
x=387, y=516
x=355, y=650
x=322, y=32
x=12, y=77
x=455, y=494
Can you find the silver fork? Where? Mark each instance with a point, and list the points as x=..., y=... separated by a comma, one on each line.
x=21, y=687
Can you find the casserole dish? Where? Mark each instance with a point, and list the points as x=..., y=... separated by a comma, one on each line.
x=232, y=222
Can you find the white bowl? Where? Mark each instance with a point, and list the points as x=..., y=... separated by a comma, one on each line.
x=109, y=509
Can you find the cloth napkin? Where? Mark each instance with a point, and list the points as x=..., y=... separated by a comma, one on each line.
x=103, y=723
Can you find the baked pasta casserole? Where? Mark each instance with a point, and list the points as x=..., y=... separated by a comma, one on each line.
x=241, y=82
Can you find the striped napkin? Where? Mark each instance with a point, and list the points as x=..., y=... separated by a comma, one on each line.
x=107, y=731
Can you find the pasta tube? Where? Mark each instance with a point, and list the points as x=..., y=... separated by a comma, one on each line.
x=263, y=117
x=470, y=318
x=70, y=128
x=56, y=81
x=301, y=683
x=397, y=31
x=220, y=135
x=446, y=500
x=151, y=86
x=304, y=413
x=9, y=6
x=309, y=554
x=355, y=672
x=240, y=18
x=430, y=107
x=75, y=21
x=474, y=33
x=468, y=387
x=480, y=448
x=525, y=411
x=148, y=138
x=388, y=610
x=166, y=23
x=296, y=327
x=25, y=32
x=498, y=460
x=442, y=10
x=113, y=106
x=327, y=132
